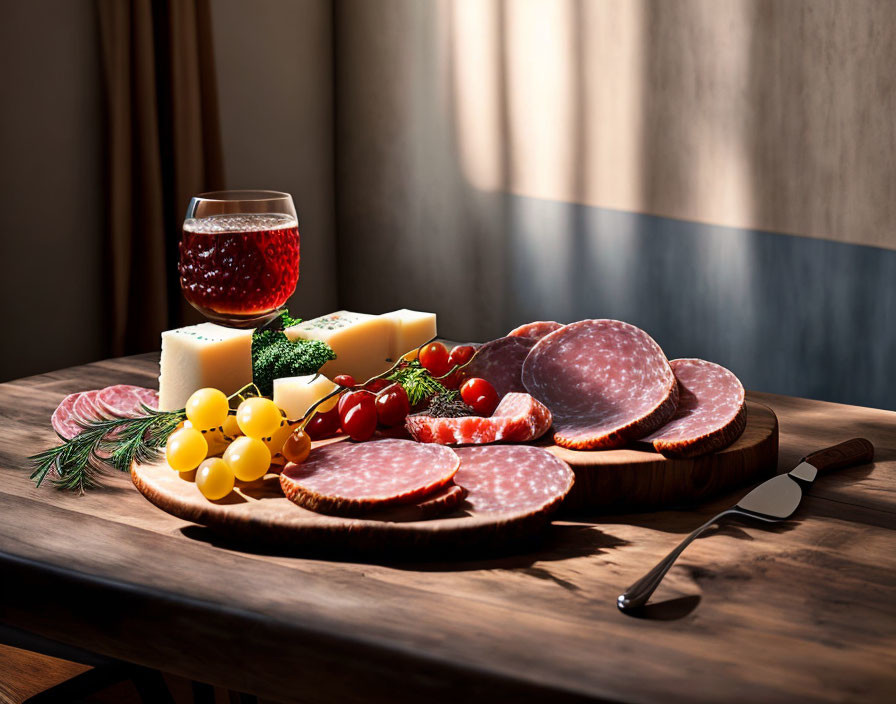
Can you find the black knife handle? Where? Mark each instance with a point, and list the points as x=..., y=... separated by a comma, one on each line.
x=846, y=454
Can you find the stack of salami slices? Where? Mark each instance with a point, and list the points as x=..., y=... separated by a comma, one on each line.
x=346, y=478
x=119, y=401
x=605, y=384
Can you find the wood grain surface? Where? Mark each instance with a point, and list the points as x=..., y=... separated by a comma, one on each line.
x=803, y=611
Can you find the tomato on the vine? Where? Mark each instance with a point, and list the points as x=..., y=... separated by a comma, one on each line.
x=377, y=385
x=351, y=399
x=346, y=380
x=323, y=425
x=434, y=358
x=359, y=421
x=392, y=405
x=479, y=395
x=461, y=355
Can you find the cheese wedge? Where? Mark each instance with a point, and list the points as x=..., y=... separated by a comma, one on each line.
x=362, y=342
x=412, y=329
x=203, y=355
x=294, y=395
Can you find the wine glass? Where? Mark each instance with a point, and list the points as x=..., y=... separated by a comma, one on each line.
x=239, y=255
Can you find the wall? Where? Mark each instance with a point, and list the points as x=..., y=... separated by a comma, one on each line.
x=717, y=171
x=51, y=185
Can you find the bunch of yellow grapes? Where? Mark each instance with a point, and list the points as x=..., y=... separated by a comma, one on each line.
x=260, y=433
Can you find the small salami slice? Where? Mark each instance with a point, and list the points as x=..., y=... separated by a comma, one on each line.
x=711, y=414
x=500, y=362
x=606, y=382
x=518, y=418
x=119, y=401
x=148, y=397
x=443, y=501
x=535, y=331
x=349, y=478
x=86, y=407
x=62, y=419
x=514, y=478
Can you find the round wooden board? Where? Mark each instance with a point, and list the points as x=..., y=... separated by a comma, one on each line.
x=259, y=512
x=642, y=480
x=613, y=480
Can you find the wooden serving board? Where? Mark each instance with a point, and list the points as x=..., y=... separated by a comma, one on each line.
x=605, y=480
x=642, y=480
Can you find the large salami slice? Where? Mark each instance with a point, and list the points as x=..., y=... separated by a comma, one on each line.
x=500, y=362
x=518, y=418
x=124, y=400
x=351, y=478
x=536, y=330
x=63, y=420
x=514, y=478
x=711, y=414
x=606, y=382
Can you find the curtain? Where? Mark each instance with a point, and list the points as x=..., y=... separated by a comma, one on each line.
x=162, y=147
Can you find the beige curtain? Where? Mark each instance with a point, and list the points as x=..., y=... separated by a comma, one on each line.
x=163, y=145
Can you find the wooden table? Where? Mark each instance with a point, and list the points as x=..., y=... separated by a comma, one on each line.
x=805, y=611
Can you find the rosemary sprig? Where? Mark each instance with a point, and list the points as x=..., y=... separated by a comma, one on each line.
x=417, y=381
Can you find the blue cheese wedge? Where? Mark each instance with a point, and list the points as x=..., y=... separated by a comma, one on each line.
x=362, y=342
x=203, y=355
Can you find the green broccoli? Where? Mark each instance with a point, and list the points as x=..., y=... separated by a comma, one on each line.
x=274, y=355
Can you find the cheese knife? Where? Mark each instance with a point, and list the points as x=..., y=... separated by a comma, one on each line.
x=774, y=500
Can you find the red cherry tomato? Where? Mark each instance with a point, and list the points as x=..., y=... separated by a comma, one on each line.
x=346, y=380
x=452, y=381
x=461, y=355
x=377, y=385
x=434, y=357
x=479, y=395
x=350, y=399
x=323, y=425
x=359, y=422
x=392, y=405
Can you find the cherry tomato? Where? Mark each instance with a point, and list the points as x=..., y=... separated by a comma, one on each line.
x=359, y=422
x=377, y=385
x=392, y=405
x=297, y=446
x=461, y=355
x=479, y=395
x=434, y=357
x=351, y=399
x=452, y=381
x=346, y=380
x=323, y=425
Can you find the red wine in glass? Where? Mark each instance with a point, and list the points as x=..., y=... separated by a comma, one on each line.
x=238, y=267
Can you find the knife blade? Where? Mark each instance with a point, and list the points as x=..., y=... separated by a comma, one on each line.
x=773, y=500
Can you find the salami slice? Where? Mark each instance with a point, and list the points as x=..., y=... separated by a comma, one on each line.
x=516, y=478
x=120, y=401
x=444, y=500
x=86, y=407
x=518, y=418
x=500, y=362
x=536, y=330
x=711, y=414
x=63, y=421
x=606, y=383
x=349, y=478
x=148, y=397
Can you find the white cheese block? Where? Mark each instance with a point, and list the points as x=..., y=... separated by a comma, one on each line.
x=294, y=395
x=412, y=329
x=362, y=342
x=203, y=355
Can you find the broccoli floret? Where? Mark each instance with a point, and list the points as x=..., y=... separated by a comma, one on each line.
x=275, y=356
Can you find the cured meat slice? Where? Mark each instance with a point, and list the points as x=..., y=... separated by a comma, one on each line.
x=606, y=383
x=148, y=397
x=711, y=414
x=518, y=418
x=121, y=400
x=443, y=501
x=63, y=420
x=536, y=330
x=86, y=407
x=350, y=478
x=500, y=362
x=514, y=478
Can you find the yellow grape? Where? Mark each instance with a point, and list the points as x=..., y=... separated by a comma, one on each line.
x=214, y=479
x=185, y=449
x=207, y=408
x=217, y=443
x=258, y=417
x=275, y=442
x=248, y=458
x=230, y=427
